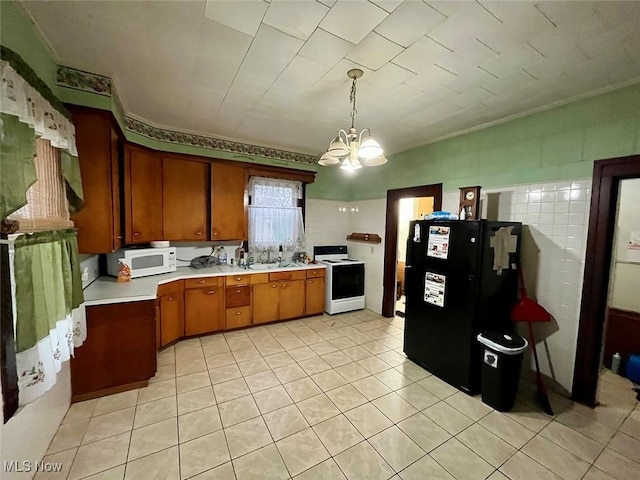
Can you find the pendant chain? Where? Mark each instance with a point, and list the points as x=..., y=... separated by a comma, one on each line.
x=352, y=99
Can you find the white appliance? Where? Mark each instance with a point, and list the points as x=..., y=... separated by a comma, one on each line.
x=344, y=280
x=143, y=261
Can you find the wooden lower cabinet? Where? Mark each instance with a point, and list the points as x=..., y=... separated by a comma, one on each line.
x=238, y=317
x=170, y=312
x=266, y=300
x=292, y=299
x=204, y=310
x=314, y=304
x=120, y=350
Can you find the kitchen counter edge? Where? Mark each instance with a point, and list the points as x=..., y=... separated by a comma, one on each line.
x=105, y=289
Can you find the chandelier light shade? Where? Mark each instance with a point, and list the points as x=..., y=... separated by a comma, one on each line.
x=353, y=150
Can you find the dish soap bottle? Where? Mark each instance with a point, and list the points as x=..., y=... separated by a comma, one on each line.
x=222, y=256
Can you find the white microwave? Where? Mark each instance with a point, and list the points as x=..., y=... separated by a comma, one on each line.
x=143, y=261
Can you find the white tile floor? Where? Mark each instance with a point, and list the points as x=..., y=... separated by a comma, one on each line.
x=334, y=398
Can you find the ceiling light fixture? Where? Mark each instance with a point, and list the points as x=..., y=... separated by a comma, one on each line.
x=352, y=150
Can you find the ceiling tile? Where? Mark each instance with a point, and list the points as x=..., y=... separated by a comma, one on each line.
x=340, y=19
x=430, y=78
x=295, y=18
x=328, y=3
x=466, y=56
x=300, y=75
x=219, y=45
x=325, y=48
x=244, y=16
x=390, y=75
x=388, y=5
x=523, y=19
x=512, y=60
x=465, y=24
x=469, y=78
x=409, y=22
x=615, y=13
x=421, y=55
x=374, y=51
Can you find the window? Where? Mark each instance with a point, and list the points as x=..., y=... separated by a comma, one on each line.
x=274, y=216
x=46, y=207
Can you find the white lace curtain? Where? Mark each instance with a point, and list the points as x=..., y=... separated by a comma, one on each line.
x=274, y=216
x=20, y=99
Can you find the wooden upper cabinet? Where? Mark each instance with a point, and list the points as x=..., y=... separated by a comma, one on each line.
x=228, y=202
x=98, y=222
x=143, y=195
x=185, y=199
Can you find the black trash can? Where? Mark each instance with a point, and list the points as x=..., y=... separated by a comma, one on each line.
x=501, y=363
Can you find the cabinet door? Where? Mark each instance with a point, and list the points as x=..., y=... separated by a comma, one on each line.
x=143, y=196
x=185, y=199
x=266, y=297
x=228, y=202
x=119, y=350
x=204, y=310
x=98, y=222
x=292, y=299
x=171, y=317
x=315, y=296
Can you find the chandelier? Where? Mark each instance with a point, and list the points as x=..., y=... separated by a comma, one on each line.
x=352, y=150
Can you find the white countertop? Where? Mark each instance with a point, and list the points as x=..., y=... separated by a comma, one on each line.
x=106, y=289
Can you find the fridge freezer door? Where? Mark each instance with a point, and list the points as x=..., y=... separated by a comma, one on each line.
x=463, y=246
x=442, y=339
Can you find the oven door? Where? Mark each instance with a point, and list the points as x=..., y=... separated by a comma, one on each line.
x=347, y=281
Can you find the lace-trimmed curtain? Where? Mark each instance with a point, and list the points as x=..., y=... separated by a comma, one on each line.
x=48, y=311
x=274, y=216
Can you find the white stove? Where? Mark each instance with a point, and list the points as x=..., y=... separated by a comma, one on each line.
x=344, y=281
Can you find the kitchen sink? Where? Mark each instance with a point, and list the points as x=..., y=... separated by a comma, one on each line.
x=264, y=266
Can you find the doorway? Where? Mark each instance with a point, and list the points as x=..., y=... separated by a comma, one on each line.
x=394, y=197
x=608, y=176
x=412, y=208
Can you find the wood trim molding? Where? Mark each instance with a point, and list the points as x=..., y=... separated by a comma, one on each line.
x=391, y=237
x=604, y=197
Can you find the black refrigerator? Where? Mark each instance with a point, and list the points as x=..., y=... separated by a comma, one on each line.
x=454, y=291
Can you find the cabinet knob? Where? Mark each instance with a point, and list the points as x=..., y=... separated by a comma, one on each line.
x=238, y=313
x=274, y=285
x=309, y=281
x=136, y=234
x=211, y=292
x=198, y=233
x=170, y=298
x=238, y=278
x=200, y=281
x=216, y=233
x=284, y=285
x=237, y=291
x=119, y=237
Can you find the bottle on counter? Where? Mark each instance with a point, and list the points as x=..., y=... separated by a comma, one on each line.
x=124, y=272
x=222, y=256
x=615, y=363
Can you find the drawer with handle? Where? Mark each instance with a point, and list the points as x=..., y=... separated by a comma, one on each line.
x=288, y=275
x=238, y=279
x=238, y=296
x=316, y=272
x=238, y=317
x=203, y=282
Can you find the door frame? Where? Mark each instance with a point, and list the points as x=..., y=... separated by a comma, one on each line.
x=391, y=237
x=604, y=199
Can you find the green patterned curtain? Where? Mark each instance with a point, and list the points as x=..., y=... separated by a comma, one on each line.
x=17, y=151
x=48, y=283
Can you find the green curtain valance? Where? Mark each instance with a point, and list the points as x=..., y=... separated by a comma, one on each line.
x=17, y=171
x=48, y=283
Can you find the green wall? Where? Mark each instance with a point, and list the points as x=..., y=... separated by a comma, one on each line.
x=18, y=33
x=557, y=144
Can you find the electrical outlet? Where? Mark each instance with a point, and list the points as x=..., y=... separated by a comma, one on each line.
x=85, y=274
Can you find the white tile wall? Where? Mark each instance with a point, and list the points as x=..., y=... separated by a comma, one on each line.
x=553, y=250
x=555, y=216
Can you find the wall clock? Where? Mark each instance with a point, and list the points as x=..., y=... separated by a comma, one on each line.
x=469, y=203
